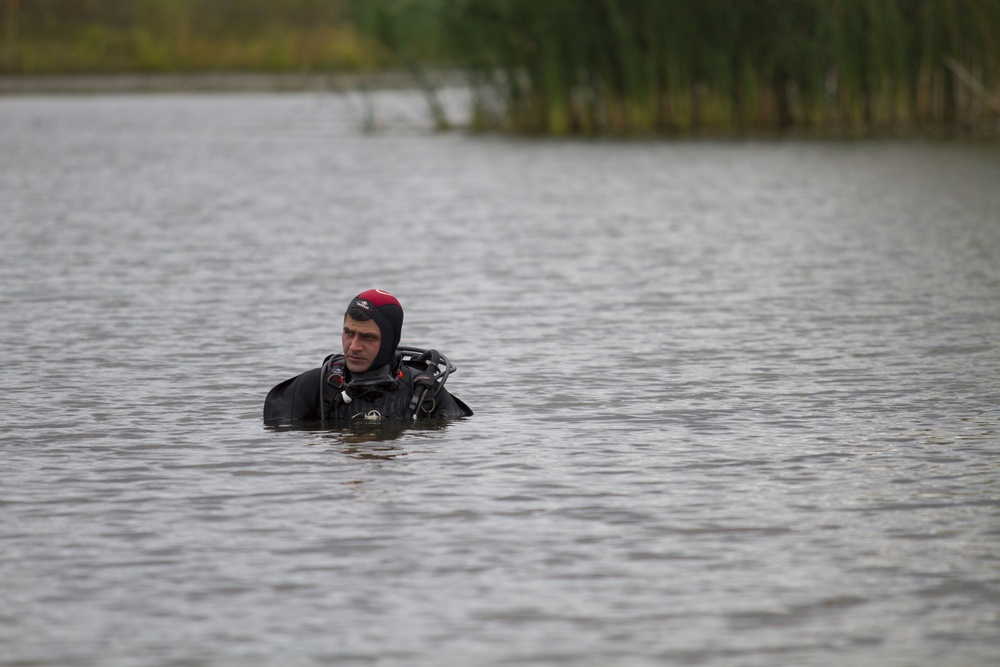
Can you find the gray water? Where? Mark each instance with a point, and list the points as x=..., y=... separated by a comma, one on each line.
x=737, y=402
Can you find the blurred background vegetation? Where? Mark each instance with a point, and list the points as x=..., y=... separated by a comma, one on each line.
x=590, y=67
x=101, y=36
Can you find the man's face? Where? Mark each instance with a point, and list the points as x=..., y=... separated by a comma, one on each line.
x=361, y=343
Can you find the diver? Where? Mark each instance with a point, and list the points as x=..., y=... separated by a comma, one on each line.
x=374, y=378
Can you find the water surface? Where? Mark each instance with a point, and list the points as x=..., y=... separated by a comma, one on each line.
x=737, y=402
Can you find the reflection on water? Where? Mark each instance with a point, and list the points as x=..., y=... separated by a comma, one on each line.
x=366, y=439
x=737, y=403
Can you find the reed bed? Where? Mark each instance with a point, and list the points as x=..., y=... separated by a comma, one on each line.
x=635, y=67
x=572, y=67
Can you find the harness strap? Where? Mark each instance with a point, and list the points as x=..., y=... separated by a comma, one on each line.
x=431, y=370
x=425, y=381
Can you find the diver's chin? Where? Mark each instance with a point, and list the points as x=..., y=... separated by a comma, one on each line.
x=357, y=366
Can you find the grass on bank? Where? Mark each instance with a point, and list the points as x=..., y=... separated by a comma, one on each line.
x=111, y=36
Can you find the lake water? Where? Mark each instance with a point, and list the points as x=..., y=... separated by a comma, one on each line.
x=737, y=402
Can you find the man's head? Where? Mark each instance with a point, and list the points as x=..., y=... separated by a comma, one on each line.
x=373, y=325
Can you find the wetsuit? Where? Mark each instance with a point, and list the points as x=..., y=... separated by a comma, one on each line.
x=318, y=395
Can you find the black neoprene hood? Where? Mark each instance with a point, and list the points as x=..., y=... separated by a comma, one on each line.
x=386, y=311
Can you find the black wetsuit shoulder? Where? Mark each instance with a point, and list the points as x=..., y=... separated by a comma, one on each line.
x=295, y=399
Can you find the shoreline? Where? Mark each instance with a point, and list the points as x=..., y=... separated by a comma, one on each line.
x=209, y=82
x=229, y=82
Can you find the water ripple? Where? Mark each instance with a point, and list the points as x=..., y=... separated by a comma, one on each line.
x=736, y=402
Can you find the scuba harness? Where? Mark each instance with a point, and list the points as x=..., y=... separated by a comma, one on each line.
x=431, y=370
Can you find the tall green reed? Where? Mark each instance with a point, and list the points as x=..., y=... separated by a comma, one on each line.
x=680, y=66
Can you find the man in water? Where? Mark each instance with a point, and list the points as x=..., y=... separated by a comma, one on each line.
x=374, y=378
